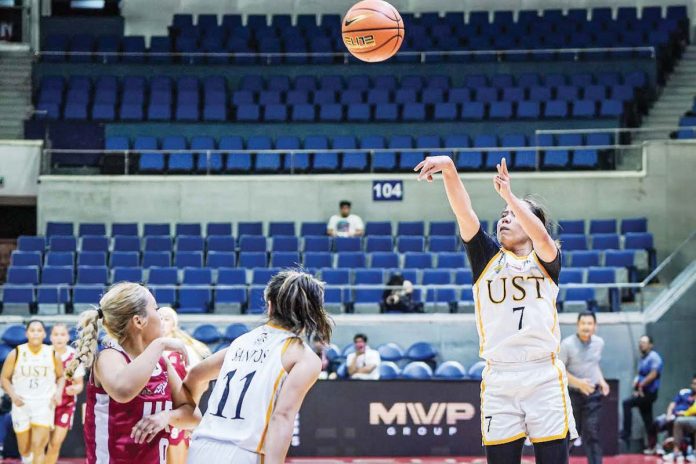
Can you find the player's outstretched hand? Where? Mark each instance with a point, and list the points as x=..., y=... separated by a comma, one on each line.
x=432, y=165
x=501, y=181
x=174, y=344
x=148, y=427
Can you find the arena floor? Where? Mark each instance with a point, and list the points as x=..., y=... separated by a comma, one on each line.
x=625, y=459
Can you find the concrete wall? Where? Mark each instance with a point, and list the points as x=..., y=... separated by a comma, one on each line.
x=658, y=194
x=674, y=337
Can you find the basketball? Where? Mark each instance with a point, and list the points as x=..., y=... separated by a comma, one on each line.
x=373, y=30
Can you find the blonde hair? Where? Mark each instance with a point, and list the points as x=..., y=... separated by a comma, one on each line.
x=116, y=309
x=199, y=348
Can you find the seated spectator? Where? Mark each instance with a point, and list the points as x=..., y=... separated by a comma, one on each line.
x=345, y=224
x=319, y=347
x=683, y=400
x=363, y=364
x=400, y=299
x=684, y=426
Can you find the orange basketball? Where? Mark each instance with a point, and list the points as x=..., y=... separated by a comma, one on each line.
x=373, y=30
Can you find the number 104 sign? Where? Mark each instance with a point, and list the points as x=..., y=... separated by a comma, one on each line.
x=387, y=190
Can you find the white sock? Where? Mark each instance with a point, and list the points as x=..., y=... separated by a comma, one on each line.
x=27, y=459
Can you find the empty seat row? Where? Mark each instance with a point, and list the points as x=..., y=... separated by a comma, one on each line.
x=325, y=89
x=332, y=112
x=233, y=154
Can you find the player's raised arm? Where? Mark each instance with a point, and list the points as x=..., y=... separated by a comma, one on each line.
x=543, y=244
x=457, y=195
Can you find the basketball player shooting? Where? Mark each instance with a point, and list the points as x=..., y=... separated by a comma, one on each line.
x=524, y=391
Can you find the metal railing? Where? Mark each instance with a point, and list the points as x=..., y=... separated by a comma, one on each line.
x=346, y=57
x=616, y=132
x=128, y=155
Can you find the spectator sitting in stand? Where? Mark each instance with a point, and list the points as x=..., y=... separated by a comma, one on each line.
x=683, y=400
x=345, y=224
x=363, y=364
x=399, y=300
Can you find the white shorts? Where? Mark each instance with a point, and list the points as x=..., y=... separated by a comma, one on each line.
x=37, y=413
x=525, y=400
x=206, y=451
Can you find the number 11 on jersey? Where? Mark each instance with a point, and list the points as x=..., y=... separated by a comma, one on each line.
x=226, y=393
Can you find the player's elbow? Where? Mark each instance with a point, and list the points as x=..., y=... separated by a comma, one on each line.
x=123, y=393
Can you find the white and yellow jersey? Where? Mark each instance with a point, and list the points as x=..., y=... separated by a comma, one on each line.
x=242, y=402
x=34, y=375
x=515, y=301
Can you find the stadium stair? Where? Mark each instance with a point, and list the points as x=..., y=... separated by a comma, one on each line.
x=675, y=99
x=15, y=89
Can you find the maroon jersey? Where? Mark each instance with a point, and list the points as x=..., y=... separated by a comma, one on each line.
x=177, y=360
x=108, y=424
x=68, y=401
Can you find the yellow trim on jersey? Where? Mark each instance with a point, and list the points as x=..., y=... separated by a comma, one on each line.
x=565, y=409
x=504, y=440
x=485, y=269
x=555, y=309
x=479, y=318
x=277, y=327
x=483, y=390
x=269, y=411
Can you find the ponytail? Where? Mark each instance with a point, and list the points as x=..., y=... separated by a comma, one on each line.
x=116, y=308
x=86, y=343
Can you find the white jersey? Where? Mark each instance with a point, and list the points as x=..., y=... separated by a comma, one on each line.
x=242, y=402
x=34, y=376
x=516, y=312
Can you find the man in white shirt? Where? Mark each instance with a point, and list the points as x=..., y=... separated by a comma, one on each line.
x=364, y=363
x=345, y=224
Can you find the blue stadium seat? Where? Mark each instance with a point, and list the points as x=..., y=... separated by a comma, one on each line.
x=286, y=259
x=451, y=370
x=25, y=258
x=207, y=333
x=189, y=243
x=158, y=243
x=418, y=260
x=234, y=331
x=92, y=229
x=125, y=259
x=638, y=241
x=384, y=260
x=256, y=303
x=94, y=243
x=62, y=243
x=157, y=259
x=184, y=259
x=571, y=226
x=285, y=243
x=60, y=258
x=253, y=243
x=446, y=243
x=379, y=242
x=249, y=228
x=388, y=370
x=91, y=258
x=28, y=243
x=447, y=260
x=391, y=352
x=92, y=275
x=572, y=242
x=421, y=351
x=585, y=258
x=124, y=228
x=634, y=224
x=14, y=335
x=603, y=226
x=253, y=259
x=194, y=300
x=127, y=274
x=463, y=277
x=347, y=244
x=417, y=371
x=59, y=228
x=219, y=228
x=352, y=260
x=23, y=275
x=605, y=242
x=87, y=294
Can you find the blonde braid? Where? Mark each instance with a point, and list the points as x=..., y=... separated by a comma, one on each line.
x=86, y=343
